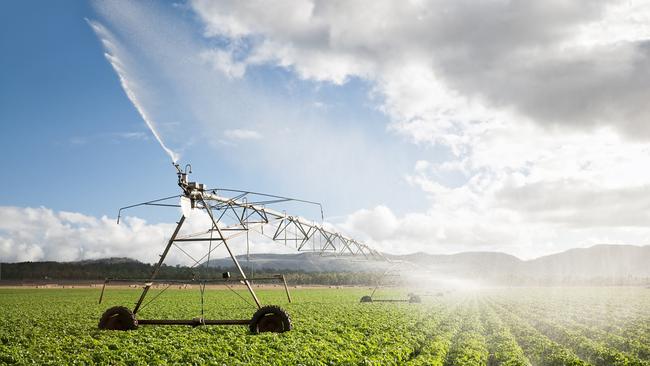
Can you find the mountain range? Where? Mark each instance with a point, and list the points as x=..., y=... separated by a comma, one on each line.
x=599, y=262
x=596, y=265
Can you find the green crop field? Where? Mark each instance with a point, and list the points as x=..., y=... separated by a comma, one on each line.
x=540, y=326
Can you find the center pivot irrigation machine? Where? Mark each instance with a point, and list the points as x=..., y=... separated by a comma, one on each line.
x=230, y=217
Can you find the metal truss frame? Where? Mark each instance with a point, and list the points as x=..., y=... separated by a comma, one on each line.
x=233, y=216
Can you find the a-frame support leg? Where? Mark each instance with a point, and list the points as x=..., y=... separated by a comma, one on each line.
x=234, y=259
x=156, y=269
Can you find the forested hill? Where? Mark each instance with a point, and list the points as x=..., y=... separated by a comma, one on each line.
x=125, y=268
x=88, y=270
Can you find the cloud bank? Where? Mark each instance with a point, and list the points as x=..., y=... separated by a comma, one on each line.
x=540, y=104
x=526, y=121
x=38, y=234
x=33, y=234
x=579, y=64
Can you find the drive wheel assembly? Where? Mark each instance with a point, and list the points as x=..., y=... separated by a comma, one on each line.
x=270, y=318
x=118, y=318
x=366, y=299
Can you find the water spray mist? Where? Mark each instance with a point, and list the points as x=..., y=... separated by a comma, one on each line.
x=108, y=41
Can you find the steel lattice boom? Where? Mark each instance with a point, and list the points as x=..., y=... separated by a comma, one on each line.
x=236, y=215
x=247, y=211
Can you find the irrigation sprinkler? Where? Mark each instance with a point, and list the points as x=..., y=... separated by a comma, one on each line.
x=232, y=213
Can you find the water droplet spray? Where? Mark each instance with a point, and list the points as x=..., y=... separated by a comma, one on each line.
x=127, y=83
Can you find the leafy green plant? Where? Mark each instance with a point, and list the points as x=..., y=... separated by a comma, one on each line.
x=493, y=327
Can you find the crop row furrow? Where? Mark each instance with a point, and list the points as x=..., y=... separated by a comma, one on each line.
x=633, y=343
x=468, y=347
x=436, y=340
x=502, y=346
x=539, y=349
x=591, y=350
x=604, y=313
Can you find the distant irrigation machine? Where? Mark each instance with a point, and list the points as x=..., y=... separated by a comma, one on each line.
x=228, y=218
x=410, y=297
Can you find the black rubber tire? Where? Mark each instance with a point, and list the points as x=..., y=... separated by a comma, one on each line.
x=270, y=318
x=118, y=318
x=366, y=299
x=415, y=299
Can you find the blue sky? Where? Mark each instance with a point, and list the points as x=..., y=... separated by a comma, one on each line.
x=77, y=143
x=438, y=125
x=65, y=118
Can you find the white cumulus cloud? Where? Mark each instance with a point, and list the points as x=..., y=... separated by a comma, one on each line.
x=529, y=118
x=42, y=234
x=542, y=106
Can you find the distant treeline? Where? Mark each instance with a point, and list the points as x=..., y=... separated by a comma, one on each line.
x=85, y=271
x=121, y=268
